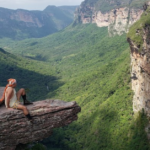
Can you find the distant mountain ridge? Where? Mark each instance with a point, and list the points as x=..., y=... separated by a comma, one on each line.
x=21, y=24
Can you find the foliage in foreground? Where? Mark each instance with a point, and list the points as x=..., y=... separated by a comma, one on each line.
x=106, y=121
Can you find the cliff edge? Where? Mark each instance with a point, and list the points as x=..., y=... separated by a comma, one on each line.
x=139, y=40
x=118, y=16
x=47, y=114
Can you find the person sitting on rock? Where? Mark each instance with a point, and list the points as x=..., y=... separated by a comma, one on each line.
x=12, y=99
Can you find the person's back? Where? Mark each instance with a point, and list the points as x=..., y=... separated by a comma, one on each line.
x=13, y=99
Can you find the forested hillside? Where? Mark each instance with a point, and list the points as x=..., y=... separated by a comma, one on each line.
x=97, y=75
x=71, y=45
x=92, y=69
x=69, y=10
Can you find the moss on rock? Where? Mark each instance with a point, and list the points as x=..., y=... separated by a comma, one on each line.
x=136, y=30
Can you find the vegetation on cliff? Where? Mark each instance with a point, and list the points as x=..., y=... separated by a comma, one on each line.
x=105, y=6
x=136, y=31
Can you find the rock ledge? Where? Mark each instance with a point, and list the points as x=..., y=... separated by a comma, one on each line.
x=47, y=114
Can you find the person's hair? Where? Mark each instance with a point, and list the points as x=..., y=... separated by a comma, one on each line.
x=11, y=82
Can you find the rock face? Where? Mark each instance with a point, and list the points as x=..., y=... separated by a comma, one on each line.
x=118, y=20
x=140, y=74
x=140, y=70
x=47, y=114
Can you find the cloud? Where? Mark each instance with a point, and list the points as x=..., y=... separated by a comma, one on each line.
x=36, y=4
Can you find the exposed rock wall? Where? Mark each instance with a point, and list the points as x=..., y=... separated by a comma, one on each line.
x=118, y=20
x=27, y=17
x=140, y=72
x=47, y=114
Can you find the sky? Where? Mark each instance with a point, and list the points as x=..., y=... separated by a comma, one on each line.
x=36, y=4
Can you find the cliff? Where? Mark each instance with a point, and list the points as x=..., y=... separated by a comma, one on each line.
x=47, y=114
x=118, y=17
x=138, y=38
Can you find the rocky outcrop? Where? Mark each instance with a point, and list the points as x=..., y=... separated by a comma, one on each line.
x=47, y=114
x=27, y=17
x=140, y=67
x=118, y=20
x=140, y=75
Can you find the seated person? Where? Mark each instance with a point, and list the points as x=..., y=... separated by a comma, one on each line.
x=12, y=99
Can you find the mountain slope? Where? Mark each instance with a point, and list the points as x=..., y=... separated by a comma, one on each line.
x=69, y=10
x=106, y=121
x=72, y=50
x=69, y=44
x=20, y=24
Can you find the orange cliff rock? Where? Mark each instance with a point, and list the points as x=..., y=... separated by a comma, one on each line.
x=118, y=20
x=47, y=114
